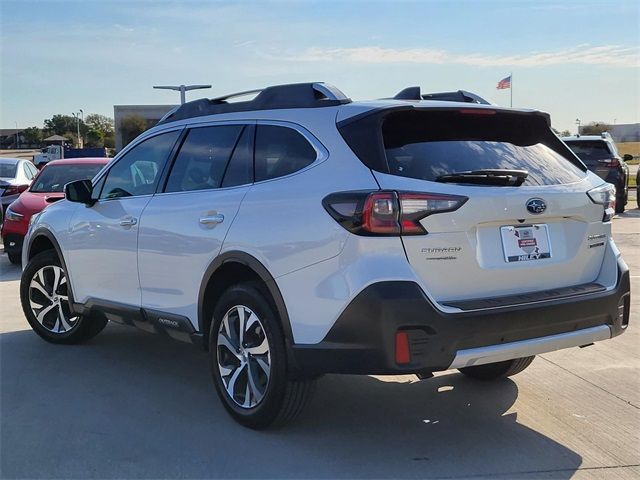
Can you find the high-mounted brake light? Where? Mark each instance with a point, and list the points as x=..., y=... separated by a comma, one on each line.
x=476, y=111
x=388, y=213
x=605, y=195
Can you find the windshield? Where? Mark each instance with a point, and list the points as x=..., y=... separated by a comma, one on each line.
x=590, y=150
x=54, y=177
x=429, y=145
x=8, y=170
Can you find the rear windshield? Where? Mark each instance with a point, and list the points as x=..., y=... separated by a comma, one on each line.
x=54, y=177
x=8, y=170
x=590, y=149
x=426, y=145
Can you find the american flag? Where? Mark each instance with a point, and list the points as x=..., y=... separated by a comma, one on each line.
x=504, y=83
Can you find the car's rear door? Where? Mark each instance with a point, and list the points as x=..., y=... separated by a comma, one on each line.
x=543, y=234
x=183, y=227
x=101, y=254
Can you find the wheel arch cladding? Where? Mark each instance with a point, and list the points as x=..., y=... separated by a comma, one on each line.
x=42, y=241
x=230, y=269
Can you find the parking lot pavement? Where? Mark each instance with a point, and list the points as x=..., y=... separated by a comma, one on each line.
x=130, y=404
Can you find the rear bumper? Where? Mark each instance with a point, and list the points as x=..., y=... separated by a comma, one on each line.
x=362, y=341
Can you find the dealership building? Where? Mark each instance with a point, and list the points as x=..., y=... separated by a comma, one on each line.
x=150, y=113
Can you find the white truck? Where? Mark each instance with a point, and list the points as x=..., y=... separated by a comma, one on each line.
x=55, y=152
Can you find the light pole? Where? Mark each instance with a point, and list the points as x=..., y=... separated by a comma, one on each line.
x=81, y=139
x=17, y=137
x=182, y=89
x=578, y=124
x=77, y=117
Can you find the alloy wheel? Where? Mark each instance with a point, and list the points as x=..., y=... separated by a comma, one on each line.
x=243, y=356
x=49, y=300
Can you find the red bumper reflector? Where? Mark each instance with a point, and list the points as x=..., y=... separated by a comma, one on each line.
x=403, y=353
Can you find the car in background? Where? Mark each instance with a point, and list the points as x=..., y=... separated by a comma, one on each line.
x=47, y=187
x=600, y=155
x=16, y=175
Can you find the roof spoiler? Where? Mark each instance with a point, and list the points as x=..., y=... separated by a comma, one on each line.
x=295, y=95
x=414, y=93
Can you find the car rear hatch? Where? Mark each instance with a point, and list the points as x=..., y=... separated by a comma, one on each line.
x=527, y=223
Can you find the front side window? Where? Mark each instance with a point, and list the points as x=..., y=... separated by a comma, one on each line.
x=280, y=151
x=203, y=158
x=138, y=172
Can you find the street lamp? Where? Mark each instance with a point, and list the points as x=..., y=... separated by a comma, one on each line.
x=77, y=117
x=182, y=89
x=17, y=137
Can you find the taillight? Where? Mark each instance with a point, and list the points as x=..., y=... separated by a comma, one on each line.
x=14, y=190
x=610, y=162
x=605, y=195
x=387, y=213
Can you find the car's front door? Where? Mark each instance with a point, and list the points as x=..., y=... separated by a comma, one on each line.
x=183, y=228
x=102, y=248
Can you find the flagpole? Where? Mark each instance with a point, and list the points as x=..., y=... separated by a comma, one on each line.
x=511, y=88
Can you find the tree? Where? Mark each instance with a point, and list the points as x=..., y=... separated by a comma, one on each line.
x=594, y=128
x=131, y=127
x=60, y=124
x=101, y=123
x=32, y=135
x=95, y=138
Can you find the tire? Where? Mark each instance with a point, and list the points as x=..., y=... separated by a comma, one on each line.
x=494, y=371
x=14, y=258
x=262, y=395
x=620, y=203
x=57, y=324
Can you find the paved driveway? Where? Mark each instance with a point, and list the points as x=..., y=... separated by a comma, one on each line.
x=130, y=404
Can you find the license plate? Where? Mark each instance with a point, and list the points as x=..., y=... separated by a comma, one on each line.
x=525, y=243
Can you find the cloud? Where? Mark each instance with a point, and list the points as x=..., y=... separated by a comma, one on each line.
x=613, y=55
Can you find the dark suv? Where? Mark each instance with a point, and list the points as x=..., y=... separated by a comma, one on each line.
x=600, y=155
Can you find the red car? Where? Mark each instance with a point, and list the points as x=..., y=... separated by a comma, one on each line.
x=47, y=187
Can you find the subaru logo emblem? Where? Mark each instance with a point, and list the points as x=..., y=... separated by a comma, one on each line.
x=536, y=206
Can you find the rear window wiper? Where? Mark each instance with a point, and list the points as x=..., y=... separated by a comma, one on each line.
x=507, y=178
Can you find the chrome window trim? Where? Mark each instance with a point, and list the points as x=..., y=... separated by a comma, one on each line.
x=137, y=141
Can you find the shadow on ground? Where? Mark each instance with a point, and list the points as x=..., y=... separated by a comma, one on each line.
x=130, y=404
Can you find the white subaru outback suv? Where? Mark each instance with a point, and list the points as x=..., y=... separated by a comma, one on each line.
x=299, y=233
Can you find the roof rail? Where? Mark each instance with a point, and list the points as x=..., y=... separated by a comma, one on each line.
x=414, y=93
x=294, y=95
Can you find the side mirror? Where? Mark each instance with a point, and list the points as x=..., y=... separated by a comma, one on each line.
x=79, y=191
x=627, y=157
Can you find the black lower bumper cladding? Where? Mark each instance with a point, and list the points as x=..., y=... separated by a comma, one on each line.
x=362, y=341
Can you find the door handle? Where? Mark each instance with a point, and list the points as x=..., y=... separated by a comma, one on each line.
x=212, y=219
x=128, y=222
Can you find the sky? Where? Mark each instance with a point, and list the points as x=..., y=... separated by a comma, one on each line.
x=573, y=59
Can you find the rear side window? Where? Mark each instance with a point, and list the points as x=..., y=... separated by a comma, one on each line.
x=280, y=151
x=426, y=144
x=590, y=149
x=203, y=158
